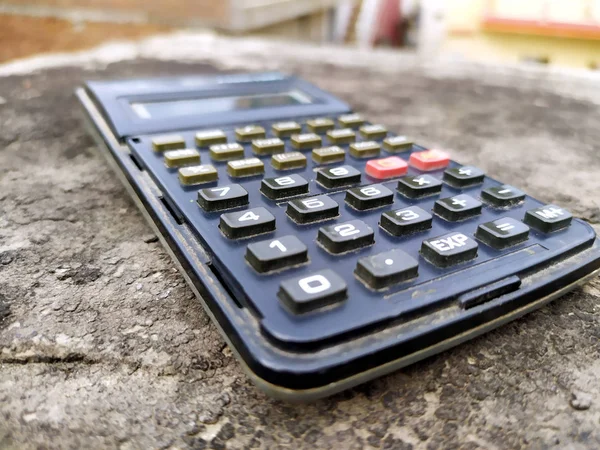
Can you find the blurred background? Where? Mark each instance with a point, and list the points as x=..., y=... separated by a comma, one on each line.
x=551, y=32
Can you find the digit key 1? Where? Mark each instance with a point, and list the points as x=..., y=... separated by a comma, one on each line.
x=276, y=254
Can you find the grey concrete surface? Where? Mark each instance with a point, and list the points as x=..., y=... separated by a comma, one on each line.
x=102, y=345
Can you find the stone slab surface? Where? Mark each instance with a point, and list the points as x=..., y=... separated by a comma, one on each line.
x=102, y=345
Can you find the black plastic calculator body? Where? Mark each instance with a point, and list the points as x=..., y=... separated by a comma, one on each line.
x=327, y=249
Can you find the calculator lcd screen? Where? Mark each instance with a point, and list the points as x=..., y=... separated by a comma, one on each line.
x=212, y=105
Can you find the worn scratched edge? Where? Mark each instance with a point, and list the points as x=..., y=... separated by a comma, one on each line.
x=276, y=391
x=332, y=388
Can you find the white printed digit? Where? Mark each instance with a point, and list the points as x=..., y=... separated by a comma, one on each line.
x=279, y=245
x=370, y=191
x=223, y=191
x=407, y=215
x=339, y=171
x=313, y=203
x=314, y=284
x=346, y=229
x=248, y=216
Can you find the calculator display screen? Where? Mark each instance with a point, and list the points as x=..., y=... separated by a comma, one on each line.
x=212, y=105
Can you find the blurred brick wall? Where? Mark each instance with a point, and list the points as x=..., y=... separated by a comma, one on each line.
x=211, y=12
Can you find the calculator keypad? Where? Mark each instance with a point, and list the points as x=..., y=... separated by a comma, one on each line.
x=245, y=167
x=180, y=158
x=459, y=207
x=449, y=249
x=198, y=174
x=340, y=176
x=276, y=254
x=369, y=197
x=386, y=269
x=502, y=233
x=293, y=200
x=405, y=221
x=419, y=186
x=346, y=236
x=308, y=292
x=312, y=209
x=464, y=176
x=328, y=155
x=210, y=137
x=384, y=168
x=548, y=218
x=503, y=196
x=222, y=197
x=285, y=186
x=251, y=222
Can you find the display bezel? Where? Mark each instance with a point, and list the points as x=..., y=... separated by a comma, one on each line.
x=114, y=98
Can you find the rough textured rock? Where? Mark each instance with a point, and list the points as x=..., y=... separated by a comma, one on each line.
x=102, y=345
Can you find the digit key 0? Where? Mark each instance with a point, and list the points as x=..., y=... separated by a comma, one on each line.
x=316, y=290
x=242, y=224
x=276, y=254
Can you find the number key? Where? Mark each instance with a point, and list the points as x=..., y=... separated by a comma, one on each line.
x=313, y=209
x=222, y=197
x=345, y=237
x=281, y=187
x=308, y=292
x=338, y=176
x=276, y=254
x=369, y=197
x=406, y=221
x=243, y=224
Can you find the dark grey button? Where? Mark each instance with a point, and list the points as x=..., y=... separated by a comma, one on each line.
x=502, y=196
x=338, y=176
x=312, y=291
x=369, y=197
x=548, y=218
x=418, y=186
x=276, y=254
x=282, y=187
x=464, y=176
x=449, y=249
x=222, y=197
x=387, y=268
x=312, y=209
x=402, y=222
x=247, y=223
x=502, y=233
x=459, y=207
x=346, y=236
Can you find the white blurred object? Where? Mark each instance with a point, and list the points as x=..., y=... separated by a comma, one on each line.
x=367, y=23
x=343, y=20
x=432, y=27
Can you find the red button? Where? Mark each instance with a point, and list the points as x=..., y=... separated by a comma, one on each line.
x=429, y=160
x=386, y=167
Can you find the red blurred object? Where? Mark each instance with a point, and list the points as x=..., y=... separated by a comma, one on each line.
x=389, y=23
x=429, y=160
x=386, y=167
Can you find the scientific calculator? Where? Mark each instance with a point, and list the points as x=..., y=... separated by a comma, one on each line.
x=327, y=249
